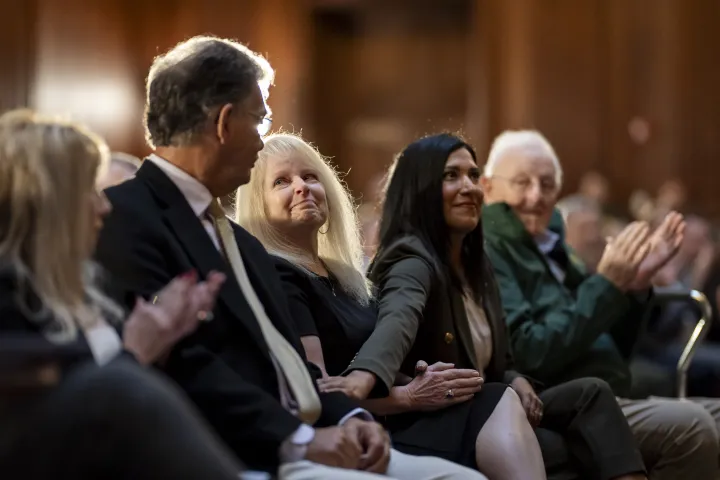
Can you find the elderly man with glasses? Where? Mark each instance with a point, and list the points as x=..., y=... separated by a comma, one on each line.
x=565, y=324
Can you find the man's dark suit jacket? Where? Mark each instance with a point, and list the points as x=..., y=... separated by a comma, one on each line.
x=153, y=235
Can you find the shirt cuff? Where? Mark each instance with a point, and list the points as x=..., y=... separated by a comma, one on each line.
x=294, y=448
x=358, y=412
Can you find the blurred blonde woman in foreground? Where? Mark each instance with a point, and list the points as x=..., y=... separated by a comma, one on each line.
x=76, y=401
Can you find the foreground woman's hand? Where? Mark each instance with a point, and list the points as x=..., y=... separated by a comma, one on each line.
x=531, y=403
x=152, y=329
x=440, y=385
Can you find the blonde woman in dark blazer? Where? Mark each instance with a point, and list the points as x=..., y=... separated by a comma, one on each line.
x=75, y=398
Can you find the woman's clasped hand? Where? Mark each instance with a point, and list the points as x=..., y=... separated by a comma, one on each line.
x=434, y=387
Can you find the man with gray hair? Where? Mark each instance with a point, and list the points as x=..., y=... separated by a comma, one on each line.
x=205, y=117
x=565, y=324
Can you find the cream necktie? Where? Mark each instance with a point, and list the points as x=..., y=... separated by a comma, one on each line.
x=291, y=365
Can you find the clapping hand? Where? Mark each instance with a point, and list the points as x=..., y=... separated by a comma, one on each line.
x=664, y=243
x=624, y=254
x=153, y=328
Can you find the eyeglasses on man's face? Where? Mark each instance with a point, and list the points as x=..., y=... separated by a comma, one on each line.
x=522, y=184
x=264, y=123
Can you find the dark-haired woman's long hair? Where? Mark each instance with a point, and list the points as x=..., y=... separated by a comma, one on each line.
x=413, y=205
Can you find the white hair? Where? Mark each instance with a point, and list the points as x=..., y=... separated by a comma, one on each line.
x=518, y=139
x=340, y=247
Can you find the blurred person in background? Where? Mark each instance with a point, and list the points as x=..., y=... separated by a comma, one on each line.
x=594, y=186
x=75, y=399
x=670, y=327
x=583, y=229
x=672, y=195
x=564, y=323
x=122, y=167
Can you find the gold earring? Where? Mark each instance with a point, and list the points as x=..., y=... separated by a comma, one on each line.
x=327, y=227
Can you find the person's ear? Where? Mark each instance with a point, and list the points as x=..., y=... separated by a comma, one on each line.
x=223, y=123
x=485, y=185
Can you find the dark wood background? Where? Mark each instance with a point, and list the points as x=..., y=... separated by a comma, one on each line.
x=362, y=78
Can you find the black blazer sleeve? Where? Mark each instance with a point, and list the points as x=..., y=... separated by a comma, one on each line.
x=247, y=417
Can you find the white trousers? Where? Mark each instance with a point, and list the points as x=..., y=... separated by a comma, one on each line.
x=402, y=467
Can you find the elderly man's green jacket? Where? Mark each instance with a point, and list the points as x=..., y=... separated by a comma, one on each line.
x=580, y=327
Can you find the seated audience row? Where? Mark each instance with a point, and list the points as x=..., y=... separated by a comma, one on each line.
x=436, y=301
x=287, y=356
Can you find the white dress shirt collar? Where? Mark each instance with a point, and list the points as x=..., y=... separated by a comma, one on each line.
x=546, y=241
x=196, y=194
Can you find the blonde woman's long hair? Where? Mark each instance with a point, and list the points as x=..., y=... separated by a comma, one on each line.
x=48, y=169
x=340, y=247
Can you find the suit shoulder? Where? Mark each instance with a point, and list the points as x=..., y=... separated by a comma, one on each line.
x=126, y=191
x=132, y=204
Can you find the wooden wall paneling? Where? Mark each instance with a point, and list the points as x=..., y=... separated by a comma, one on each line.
x=92, y=58
x=332, y=99
x=516, y=63
x=501, y=69
x=615, y=99
x=17, y=50
x=481, y=112
x=408, y=78
x=654, y=70
x=282, y=31
x=82, y=67
x=698, y=130
x=641, y=89
x=566, y=98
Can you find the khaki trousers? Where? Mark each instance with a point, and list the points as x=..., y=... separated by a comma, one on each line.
x=678, y=439
x=402, y=467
